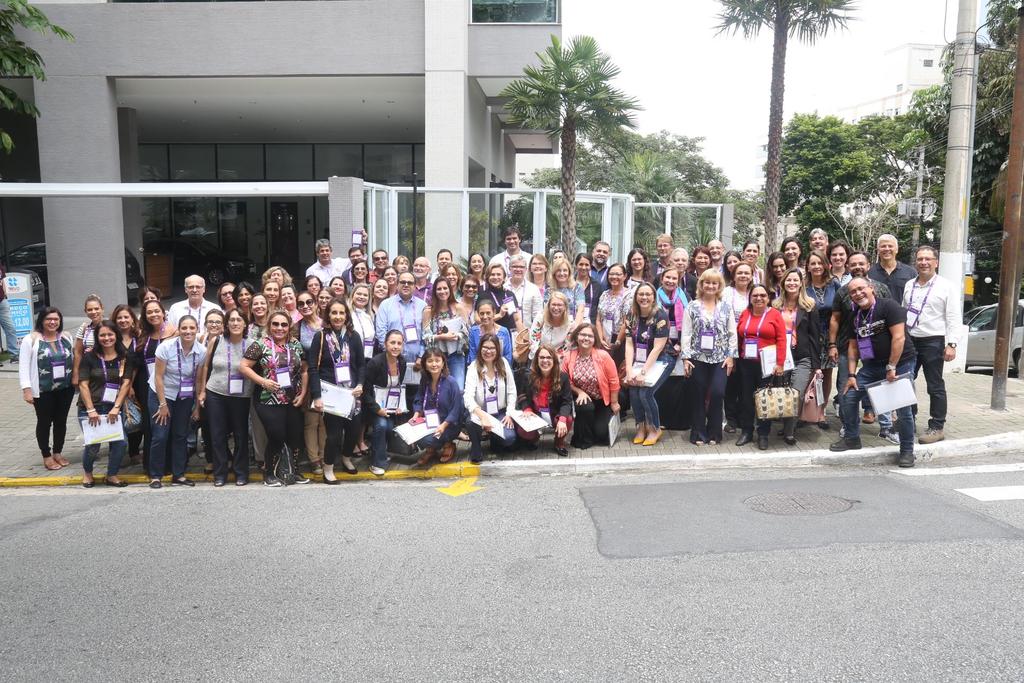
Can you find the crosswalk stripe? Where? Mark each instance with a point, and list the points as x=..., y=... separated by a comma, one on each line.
x=992, y=493
x=964, y=469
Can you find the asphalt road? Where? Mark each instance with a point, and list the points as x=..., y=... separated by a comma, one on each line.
x=612, y=577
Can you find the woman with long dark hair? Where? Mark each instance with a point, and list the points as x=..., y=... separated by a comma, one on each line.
x=792, y=252
x=85, y=335
x=243, y=294
x=444, y=327
x=44, y=372
x=105, y=377
x=438, y=402
x=775, y=268
x=545, y=391
x=385, y=396
x=639, y=267
x=803, y=336
x=594, y=379
x=490, y=392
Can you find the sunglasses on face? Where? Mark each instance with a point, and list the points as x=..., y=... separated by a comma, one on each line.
x=305, y=302
x=405, y=283
x=280, y=325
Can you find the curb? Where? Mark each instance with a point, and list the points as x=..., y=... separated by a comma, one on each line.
x=1004, y=444
x=453, y=470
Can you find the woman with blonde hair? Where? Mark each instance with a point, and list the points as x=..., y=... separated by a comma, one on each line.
x=803, y=338
x=553, y=327
x=277, y=274
x=561, y=280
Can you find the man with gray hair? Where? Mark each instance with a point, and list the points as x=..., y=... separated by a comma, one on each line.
x=888, y=270
x=818, y=241
x=195, y=305
x=326, y=267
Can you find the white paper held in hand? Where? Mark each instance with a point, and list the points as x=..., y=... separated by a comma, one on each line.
x=768, y=360
x=337, y=400
x=104, y=432
x=889, y=396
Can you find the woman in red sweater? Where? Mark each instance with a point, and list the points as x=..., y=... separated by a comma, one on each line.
x=759, y=327
x=594, y=380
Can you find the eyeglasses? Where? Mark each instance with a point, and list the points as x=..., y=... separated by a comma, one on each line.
x=214, y=323
x=405, y=283
x=305, y=302
x=473, y=287
x=758, y=296
x=380, y=258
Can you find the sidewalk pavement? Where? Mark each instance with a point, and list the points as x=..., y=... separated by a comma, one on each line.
x=970, y=423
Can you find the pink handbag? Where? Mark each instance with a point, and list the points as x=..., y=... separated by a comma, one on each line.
x=811, y=412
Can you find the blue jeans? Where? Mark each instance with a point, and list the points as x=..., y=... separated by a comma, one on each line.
x=379, y=440
x=645, y=407
x=874, y=371
x=117, y=448
x=169, y=438
x=450, y=433
x=843, y=374
x=457, y=367
x=10, y=334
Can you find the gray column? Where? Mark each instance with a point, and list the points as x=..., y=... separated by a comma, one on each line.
x=128, y=146
x=728, y=225
x=78, y=142
x=345, y=212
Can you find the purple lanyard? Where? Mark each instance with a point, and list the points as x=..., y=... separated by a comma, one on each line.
x=928, y=291
x=106, y=378
x=192, y=354
x=871, y=316
x=273, y=354
x=746, y=330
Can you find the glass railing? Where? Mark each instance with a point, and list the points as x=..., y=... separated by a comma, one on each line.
x=515, y=11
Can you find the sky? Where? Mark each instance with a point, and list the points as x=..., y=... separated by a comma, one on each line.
x=693, y=82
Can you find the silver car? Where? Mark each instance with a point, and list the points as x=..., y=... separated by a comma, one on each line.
x=981, y=337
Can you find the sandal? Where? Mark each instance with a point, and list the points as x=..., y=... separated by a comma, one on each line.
x=447, y=452
x=53, y=461
x=61, y=460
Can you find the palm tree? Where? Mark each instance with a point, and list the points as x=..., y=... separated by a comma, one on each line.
x=807, y=20
x=570, y=95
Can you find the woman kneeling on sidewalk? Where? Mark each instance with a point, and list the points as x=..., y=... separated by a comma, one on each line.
x=439, y=403
x=546, y=392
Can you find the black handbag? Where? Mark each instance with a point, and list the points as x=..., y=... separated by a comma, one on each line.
x=285, y=468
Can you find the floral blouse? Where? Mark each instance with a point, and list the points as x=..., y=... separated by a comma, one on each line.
x=543, y=333
x=721, y=326
x=437, y=322
x=612, y=311
x=269, y=357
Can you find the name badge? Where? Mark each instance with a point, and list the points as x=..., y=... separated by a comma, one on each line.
x=342, y=372
x=59, y=369
x=187, y=388
x=609, y=324
x=150, y=364
x=912, y=315
x=707, y=341
x=641, y=353
x=586, y=312
x=789, y=338
x=368, y=348
x=491, y=404
x=509, y=304
x=673, y=332
x=283, y=377
x=750, y=348
x=412, y=334
x=235, y=385
x=393, y=399
x=867, y=351
x=433, y=419
x=109, y=393
x=545, y=415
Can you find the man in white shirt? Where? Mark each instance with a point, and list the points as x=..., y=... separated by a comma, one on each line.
x=326, y=267
x=934, y=314
x=512, y=241
x=195, y=305
x=531, y=301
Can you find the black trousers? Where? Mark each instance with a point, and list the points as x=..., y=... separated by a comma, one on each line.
x=732, y=398
x=52, y=414
x=228, y=415
x=751, y=381
x=283, y=425
x=590, y=428
x=342, y=437
x=930, y=352
x=709, y=382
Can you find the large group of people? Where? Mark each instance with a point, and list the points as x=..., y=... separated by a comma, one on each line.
x=518, y=345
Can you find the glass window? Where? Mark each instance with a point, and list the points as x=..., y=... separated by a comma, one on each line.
x=515, y=11
x=420, y=155
x=195, y=220
x=239, y=162
x=338, y=160
x=156, y=219
x=289, y=162
x=984, y=321
x=389, y=165
x=152, y=162
x=193, y=162
x=232, y=215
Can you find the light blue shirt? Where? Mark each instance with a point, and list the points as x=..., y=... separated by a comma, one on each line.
x=178, y=364
x=395, y=314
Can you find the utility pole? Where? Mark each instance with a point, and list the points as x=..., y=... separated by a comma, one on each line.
x=919, y=198
x=1009, y=273
x=956, y=201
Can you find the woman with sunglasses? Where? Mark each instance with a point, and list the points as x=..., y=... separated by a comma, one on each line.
x=545, y=391
x=226, y=296
x=467, y=302
x=490, y=391
x=105, y=379
x=438, y=402
x=336, y=357
x=314, y=430
x=225, y=397
x=44, y=371
x=172, y=386
x=759, y=327
x=277, y=368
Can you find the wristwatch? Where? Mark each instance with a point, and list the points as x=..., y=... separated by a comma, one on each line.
x=951, y=345
x=890, y=366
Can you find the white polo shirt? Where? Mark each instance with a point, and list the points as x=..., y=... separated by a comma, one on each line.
x=504, y=259
x=336, y=268
x=933, y=309
x=183, y=308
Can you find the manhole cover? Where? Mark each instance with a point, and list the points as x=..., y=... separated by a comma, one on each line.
x=798, y=504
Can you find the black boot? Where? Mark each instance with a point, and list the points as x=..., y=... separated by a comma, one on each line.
x=745, y=438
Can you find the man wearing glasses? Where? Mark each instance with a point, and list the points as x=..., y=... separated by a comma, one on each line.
x=421, y=276
x=403, y=312
x=379, y=265
x=195, y=305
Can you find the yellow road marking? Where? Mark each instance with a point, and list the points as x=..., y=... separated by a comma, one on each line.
x=461, y=487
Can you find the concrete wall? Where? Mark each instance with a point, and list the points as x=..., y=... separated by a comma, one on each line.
x=503, y=49
x=353, y=37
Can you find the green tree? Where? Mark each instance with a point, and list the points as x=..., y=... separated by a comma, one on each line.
x=570, y=96
x=17, y=59
x=807, y=20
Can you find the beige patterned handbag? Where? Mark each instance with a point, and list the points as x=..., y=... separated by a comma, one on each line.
x=776, y=403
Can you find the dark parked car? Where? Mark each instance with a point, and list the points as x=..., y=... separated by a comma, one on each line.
x=191, y=257
x=33, y=257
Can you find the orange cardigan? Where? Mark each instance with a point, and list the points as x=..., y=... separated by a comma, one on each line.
x=607, y=373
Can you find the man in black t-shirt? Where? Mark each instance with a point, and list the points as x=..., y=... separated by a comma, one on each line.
x=877, y=338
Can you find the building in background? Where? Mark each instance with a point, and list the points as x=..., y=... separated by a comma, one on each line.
x=395, y=92
x=904, y=70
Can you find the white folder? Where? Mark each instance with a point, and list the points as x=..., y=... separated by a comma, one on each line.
x=889, y=396
x=768, y=360
x=337, y=400
x=104, y=432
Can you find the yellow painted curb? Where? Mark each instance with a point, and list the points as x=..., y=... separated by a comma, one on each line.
x=452, y=470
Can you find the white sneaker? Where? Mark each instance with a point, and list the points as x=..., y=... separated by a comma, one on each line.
x=377, y=471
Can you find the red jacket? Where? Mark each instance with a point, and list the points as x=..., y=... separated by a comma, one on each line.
x=607, y=372
x=773, y=331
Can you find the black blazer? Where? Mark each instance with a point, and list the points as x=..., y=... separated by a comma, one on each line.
x=321, y=365
x=377, y=376
x=560, y=404
x=808, y=339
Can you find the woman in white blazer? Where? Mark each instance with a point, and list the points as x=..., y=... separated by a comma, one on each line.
x=45, y=363
x=490, y=392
